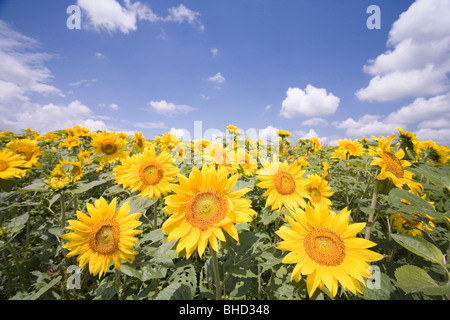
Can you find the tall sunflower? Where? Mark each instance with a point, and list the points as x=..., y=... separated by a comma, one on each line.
x=392, y=166
x=29, y=149
x=11, y=165
x=324, y=247
x=351, y=148
x=202, y=207
x=284, y=183
x=105, y=234
x=109, y=145
x=150, y=174
x=319, y=191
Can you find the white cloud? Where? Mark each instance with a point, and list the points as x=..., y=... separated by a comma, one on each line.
x=399, y=84
x=309, y=102
x=315, y=122
x=367, y=126
x=183, y=134
x=99, y=56
x=114, y=106
x=111, y=16
x=170, y=109
x=268, y=107
x=422, y=109
x=217, y=78
x=84, y=83
x=22, y=67
x=150, y=125
x=215, y=52
x=182, y=14
x=52, y=117
x=417, y=60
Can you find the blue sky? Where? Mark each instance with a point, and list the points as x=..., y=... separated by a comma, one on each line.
x=311, y=67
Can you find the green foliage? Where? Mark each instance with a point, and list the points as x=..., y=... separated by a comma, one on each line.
x=33, y=264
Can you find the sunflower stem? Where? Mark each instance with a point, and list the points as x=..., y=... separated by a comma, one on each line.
x=216, y=274
x=63, y=210
x=155, y=214
x=372, y=206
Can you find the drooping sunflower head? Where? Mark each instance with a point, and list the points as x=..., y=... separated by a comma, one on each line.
x=284, y=183
x=105, y=235
x=152, y=175
x=408, y=140
x=58, y=179
x=392, y=166
x=202, y=206
x=11, y=165
x=416, y=226
x=324, y=247
x=109, y=145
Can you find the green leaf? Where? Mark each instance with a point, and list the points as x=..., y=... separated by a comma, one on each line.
x=175, y=291
x=36, y=186
x=44, y=289
x=414, y=279
x=16, y=224
x=140, y=204
x=420, y=247
x=417, y=204
x=440, y=177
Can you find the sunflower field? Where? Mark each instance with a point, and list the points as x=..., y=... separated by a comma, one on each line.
x=109, y=216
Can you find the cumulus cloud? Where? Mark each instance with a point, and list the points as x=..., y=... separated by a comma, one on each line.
x=217, y=78
x=417, y=60
x=309, y=102
x=169, y=109
x=315, y=122
x=112, y=16
x=52, y=117
x=367, y=126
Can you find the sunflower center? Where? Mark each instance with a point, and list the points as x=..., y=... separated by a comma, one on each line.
x=25, y=152
x=325, y=247
x=151, y=173
x=104, y=238
x=3, y=165
x=109, y=147
x=284, y=183
x=393, y=164
x=205, y=209
x=315, y=193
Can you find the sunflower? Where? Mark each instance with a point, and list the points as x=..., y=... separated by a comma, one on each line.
x=109, y=145
x=416, y=227
x=392, y=166
x=202, y=207
x=233, y=129
x=315, y=145
x=70, y=142
x=217, y=155
x=29, y=149
x=247, y=163
x=150, y=174
x=58, y=179
x=351, y=148
x=324, y=247
x=283, y=133
x=408, y=140
x=319, y=191
x=140, y=143
x=11, y=165
x=72, y=168
x=105, y=234
x=285, y=184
